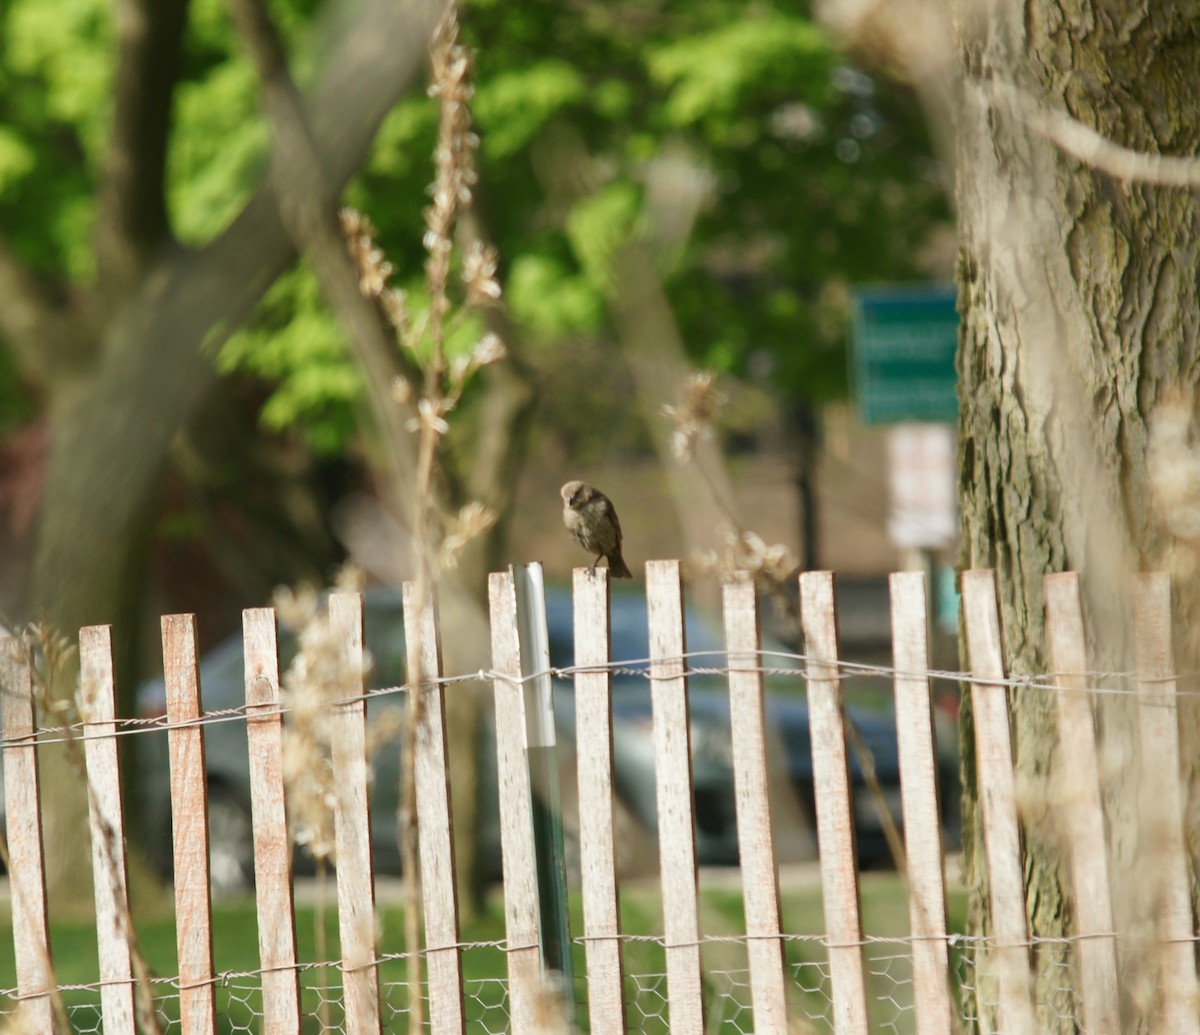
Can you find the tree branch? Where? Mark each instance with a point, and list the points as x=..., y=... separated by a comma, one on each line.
x=110, y=443
x=1089, y=147
x=308, y=206
x=131, y=220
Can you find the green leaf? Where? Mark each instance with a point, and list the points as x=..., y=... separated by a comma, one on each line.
x=294, y=344
x=599, y=225
x=405, y=140
x=512, y=107
x=218, y=152
x=17, y=158
x=717, y=74
x=68, y=47
x=551, y=302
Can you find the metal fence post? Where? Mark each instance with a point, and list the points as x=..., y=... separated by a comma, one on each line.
x=541, y=757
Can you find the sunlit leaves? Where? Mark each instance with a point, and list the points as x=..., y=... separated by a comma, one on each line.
x=17, y=157
x=723, y=75
x=599, y=225
x=551, y=301
x=218, y=151
x=295, y=346
x=814, y=178
x=512, y=107
x=66, y=47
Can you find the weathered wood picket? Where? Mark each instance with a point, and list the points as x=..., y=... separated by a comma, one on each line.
x=1007, y=949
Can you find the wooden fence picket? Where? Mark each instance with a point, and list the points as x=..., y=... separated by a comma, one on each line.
x=110, y=878
x=1163, y=861
x=516, y=808
x=835, y=821
x=998, y=804
x=435, y=822
x=1002, y=972
x=1083, y=817
x=756, y=836
x=268, y=807
x=676, y=806
x=594, y=749
x=352, y=827
x=189, y=827
x=22, y=803
x=920, y=799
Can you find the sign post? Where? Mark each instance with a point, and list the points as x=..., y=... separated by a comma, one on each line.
x=905, y=340
x=541, y=758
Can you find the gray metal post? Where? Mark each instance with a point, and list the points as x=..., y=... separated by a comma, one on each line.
x=541, y=756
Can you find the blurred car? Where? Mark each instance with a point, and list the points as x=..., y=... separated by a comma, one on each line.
x=790, y=753
x=789, y=743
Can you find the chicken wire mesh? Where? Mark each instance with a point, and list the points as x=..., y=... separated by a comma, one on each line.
x=888, y=962
x=728, y=1007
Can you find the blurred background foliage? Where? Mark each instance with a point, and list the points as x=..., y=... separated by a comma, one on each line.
x=767, y=171
x=809, y=174
x=728, y=151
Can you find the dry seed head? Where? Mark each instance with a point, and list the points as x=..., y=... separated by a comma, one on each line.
x=20, y=1022
x=355, y=225
x=705, y=562
x=550, y=1009
x=700, y=403
x=374, y=277
x=350, y=578
x=460, y=370
x=751, y=553
x=395, y=307
x=53, y=653
x=773, y=564
x=700, y=398
x=384, y=730
x=469, y=523
x=321, y=674
x=489, y=349
x=430, y=417
x=401, y=390
x=373, y=268
x=453, y=155
x=479, y=274
x=296, y=607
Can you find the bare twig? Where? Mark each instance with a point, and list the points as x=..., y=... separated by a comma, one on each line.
x=1089, y=147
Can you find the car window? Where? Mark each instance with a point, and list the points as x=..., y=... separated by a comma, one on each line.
x=629, y=632
x=385, y=639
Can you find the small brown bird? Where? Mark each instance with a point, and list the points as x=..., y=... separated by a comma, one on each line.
x=592, y=521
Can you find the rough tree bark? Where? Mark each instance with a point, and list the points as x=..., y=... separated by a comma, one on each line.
x=1080, y=305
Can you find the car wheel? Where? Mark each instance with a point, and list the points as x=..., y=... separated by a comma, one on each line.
x=230, y=843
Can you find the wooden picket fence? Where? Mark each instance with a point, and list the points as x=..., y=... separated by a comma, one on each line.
x=1007, y=950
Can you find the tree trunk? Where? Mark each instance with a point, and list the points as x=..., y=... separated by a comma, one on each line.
x=118, y=401
x=1080, y=306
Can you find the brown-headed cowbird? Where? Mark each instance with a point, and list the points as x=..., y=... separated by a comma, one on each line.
x=592, y=522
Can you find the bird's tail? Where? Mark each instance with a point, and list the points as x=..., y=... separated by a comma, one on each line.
x=617, y=567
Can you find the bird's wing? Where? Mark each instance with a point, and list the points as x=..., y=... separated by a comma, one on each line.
x=612, y=513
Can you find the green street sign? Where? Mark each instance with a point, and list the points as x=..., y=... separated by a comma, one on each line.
x=905, y=339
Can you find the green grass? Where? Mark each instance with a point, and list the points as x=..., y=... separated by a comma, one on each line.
x=235, y=945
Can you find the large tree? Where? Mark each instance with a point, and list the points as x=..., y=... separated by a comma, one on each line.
x=1080, y=244
x=111, y=317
